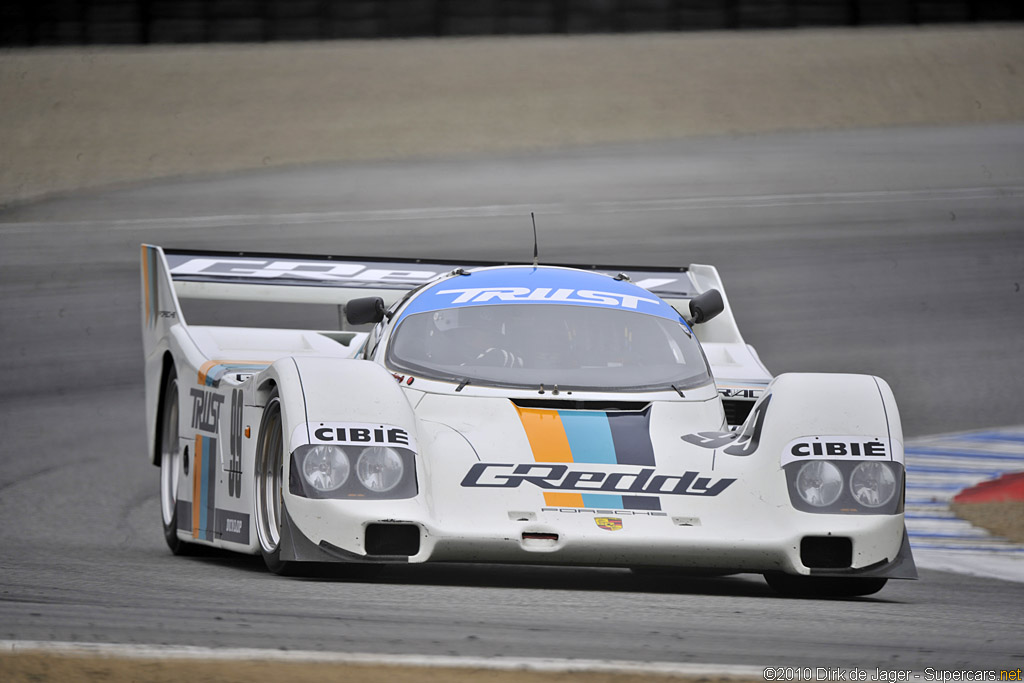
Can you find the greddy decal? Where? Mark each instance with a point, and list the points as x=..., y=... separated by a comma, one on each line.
x=352, y=434
x=551, y=477
x=347, y=272
x=589, y=436
x=742, y=444
x=837, y=448
x=290, y=269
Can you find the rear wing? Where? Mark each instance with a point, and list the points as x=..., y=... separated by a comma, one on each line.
x=325, y=279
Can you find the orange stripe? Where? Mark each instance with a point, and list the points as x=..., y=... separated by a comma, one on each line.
x=145, y=277
x=197, y=483
x=546, y=435
x=563, y=500
x=205, y=368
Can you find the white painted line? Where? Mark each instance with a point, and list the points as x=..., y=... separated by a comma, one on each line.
x=540, y=665
x=503, y=210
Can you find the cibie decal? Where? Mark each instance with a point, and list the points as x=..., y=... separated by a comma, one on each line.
x=482, y=295
x=562, y=478
x=609, y=523
x=352, y=434
x=860, y=448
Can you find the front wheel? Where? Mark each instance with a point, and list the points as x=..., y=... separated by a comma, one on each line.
x=823, y=586
x=269, y=497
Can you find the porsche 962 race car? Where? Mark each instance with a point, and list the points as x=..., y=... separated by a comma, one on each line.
x=510, y=414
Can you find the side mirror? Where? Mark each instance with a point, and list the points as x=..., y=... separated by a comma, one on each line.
x=369, y=309
x=706, y=306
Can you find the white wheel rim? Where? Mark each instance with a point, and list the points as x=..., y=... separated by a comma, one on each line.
x=269, y=479
x=170, y=454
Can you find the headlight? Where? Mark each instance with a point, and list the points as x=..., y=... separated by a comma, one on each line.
x=379, y=468
x=326, y=468
x=819, y=483
x=872, y=484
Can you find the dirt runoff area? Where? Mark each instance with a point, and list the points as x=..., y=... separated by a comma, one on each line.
x=28, y=667
x=87, y=117
x=1003, y=518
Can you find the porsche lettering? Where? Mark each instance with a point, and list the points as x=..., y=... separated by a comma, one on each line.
x=479, y=295
x=561, y=478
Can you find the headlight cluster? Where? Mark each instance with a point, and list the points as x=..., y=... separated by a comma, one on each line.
x=372, y=472
x=841, y=486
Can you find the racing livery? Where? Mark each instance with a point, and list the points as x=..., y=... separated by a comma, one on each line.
x=543, y=414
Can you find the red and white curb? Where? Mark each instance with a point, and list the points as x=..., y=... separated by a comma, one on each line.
x=938, y=468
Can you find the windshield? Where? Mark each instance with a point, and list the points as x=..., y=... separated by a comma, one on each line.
x=526, y=345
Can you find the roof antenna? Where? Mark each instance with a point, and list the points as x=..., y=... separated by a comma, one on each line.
x=536, y=258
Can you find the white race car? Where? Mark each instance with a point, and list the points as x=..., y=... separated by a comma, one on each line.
x=510, y=414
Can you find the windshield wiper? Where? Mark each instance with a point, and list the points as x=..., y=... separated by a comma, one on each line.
x=463, y=385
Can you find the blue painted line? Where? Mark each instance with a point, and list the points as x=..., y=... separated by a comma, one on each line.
x=946, y=453
x=928, y=469
x=927, y=502
x=947, y=518
x=935, y=487
x=993, y=436
x=963, y=537
x=980, y=548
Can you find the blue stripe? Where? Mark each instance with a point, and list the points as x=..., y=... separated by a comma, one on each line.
x=947, y=518
x=218, y=371
x=590, y=437
x=204, y=484
x=601, y=500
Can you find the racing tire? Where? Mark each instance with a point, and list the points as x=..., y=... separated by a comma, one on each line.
x=823, y=586
x=268, y=496
x=171, y=464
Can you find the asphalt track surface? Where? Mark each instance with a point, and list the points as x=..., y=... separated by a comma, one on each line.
x=893, y=252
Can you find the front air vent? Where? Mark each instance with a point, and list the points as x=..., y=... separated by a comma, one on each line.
x=392, y=539
x=826, y=552
x=569, y=404
x=736, y=410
